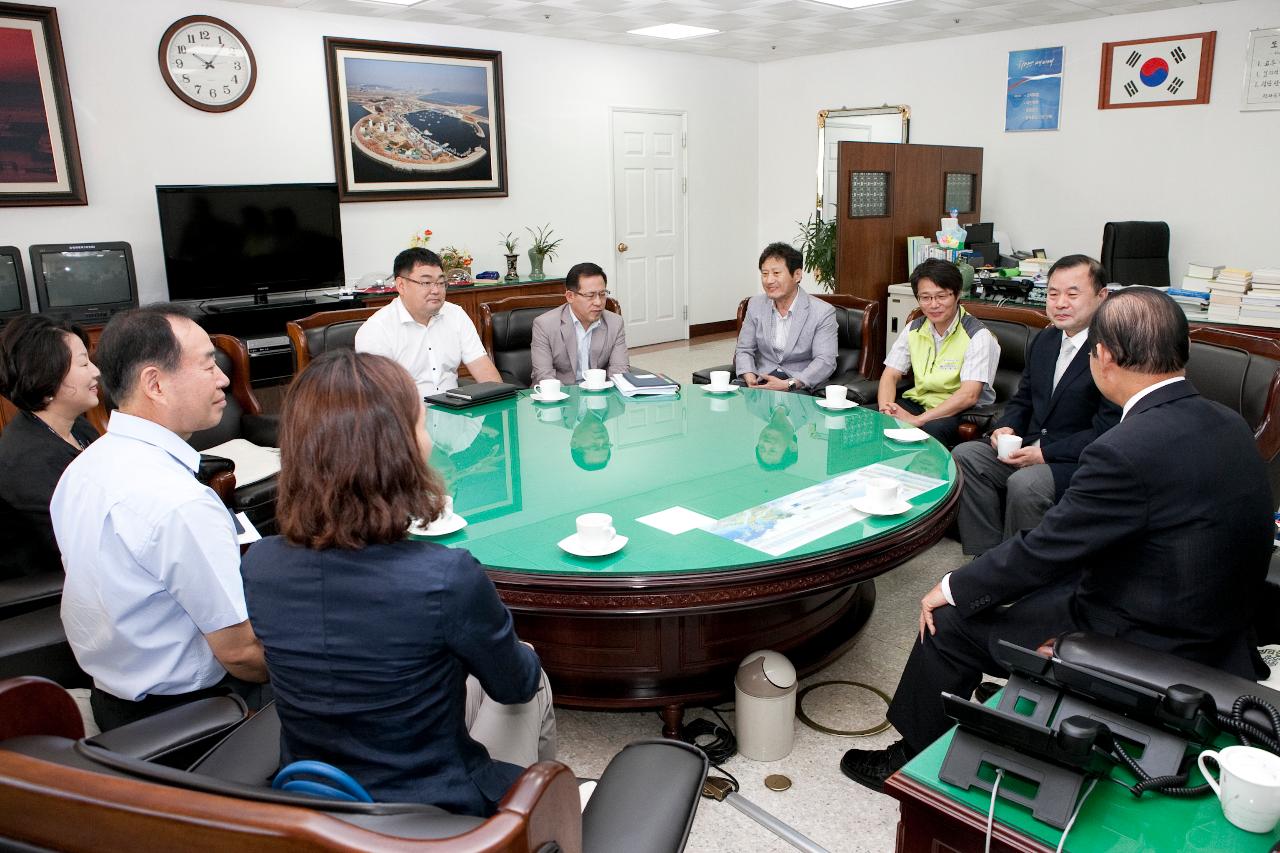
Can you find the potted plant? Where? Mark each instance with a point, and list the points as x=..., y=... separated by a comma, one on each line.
x=511, y=244
x=543, y=247
x=818, y=245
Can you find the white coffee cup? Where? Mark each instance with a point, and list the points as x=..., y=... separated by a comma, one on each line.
x=719, y=380
x=595, y=528
x=1248, y=787
x=837, y=393
x=547, y=388
x=594, y=378
x=1006, y=444
x=882, y=492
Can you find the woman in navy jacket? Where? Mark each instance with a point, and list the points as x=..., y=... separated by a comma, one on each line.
x=370, y=637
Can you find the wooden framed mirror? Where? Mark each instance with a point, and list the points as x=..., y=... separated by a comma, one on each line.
x=862, y=124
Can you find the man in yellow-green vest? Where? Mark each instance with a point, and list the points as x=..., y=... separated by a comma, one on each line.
x=951, y=355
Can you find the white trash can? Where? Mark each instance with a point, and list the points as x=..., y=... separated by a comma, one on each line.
x=765, y=706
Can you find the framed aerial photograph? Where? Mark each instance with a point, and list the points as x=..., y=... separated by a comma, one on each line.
x=415, y=121
x=1168, y=71
x=39, y=153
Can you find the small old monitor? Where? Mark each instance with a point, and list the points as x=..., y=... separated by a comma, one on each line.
x=13, y=285
x=84, y=282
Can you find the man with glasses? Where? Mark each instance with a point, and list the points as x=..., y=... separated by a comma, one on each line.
x=422, y=331
x=952, y=356
x=579, y=335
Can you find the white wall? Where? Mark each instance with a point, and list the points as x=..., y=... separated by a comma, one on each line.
x=1210, y=171
x=134, y=134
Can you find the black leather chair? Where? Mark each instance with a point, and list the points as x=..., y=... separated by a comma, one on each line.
x=34, y=643
x=1242, y=372
x=242, y=418
x=1014, y=329
x=64, y=792
x=1136, y=252
x=323, y=331
x=506, y=330
x=859, y=338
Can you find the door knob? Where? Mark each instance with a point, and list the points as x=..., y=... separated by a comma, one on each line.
x=622, y=247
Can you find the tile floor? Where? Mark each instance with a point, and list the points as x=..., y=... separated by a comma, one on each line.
x=831, y=810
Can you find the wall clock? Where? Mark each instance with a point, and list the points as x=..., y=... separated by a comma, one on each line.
x=207, y=63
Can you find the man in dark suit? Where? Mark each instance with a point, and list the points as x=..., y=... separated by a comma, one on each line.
x=1163, y=539
x=1057, y=411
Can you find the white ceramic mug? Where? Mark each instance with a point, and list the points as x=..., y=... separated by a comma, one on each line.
x=719, y=380
x=1248, y=787
x=547, y=388
x=837, y=393
x=594, y=378
x=882, y=492
x=1006, y=444
x=595, y=528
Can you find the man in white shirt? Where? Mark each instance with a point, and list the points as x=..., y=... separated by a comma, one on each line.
x=1057, y=411
x=153, y=605
x=422, y=331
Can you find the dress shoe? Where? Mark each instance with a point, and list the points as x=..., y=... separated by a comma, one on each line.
x=870, y=767
x=985, y=691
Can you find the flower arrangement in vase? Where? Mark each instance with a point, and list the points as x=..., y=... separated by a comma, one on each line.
x=420, y=239
x=457, y=264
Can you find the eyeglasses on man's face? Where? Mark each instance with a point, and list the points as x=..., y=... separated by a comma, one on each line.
x=932, y=298
x=440, y=283
x=594, y=296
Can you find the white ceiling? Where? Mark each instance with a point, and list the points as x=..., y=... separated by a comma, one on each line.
x=754, y=30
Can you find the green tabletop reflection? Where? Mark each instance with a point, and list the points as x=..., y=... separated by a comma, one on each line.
x=521, y=472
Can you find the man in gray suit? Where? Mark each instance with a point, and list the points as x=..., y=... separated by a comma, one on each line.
x=788, y=338
x=581, y=334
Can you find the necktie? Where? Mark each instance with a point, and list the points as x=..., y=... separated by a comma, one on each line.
x=1064, y=358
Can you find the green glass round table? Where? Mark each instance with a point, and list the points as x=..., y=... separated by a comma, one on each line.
x=761, y=545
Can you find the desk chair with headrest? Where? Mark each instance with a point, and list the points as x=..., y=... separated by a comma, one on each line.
x=318, y=333
x=859, y=359
x=242, y=418
x=506, y=330
x=112, y=792
x=1136, y=252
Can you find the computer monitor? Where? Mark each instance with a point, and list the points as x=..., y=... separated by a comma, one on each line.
x=13, y=285
x=84, y=283
x=979, y=232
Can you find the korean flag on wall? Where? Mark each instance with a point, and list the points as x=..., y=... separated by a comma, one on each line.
x=1153, y=73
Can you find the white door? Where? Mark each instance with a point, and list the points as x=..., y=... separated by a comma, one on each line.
x=837, y=132
x=649, y=229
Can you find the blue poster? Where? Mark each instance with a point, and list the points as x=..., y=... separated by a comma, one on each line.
x=1033, y=99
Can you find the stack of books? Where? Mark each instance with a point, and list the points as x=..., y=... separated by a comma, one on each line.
x=1034, y=266
x=1261, y=306
x=638, y=383
x=1227, y=290
x=1196, y=286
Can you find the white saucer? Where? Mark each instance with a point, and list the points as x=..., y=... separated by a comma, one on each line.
x=729, y=390
x=910, y=434
x=837, y=407
x=608, y=383
x=863, y=505
x=574, y=546
x=556, y=398
x=450, y=523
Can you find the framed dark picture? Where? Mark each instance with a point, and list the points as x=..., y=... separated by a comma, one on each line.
x=39, y=154
x=415, y=121
x=1168, y=71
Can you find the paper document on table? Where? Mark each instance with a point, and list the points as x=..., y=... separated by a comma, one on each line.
x=677, y=520
x=799, y=518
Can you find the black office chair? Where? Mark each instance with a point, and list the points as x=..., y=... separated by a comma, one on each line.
x=506, y=330
x=243, y=418
x=1136, y=252
x=325, y=330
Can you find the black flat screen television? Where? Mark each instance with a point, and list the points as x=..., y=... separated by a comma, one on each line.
x=227, y=241
x=13, y=286
x=84, y=282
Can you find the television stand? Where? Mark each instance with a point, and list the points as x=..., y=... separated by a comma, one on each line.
x=257, y=306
